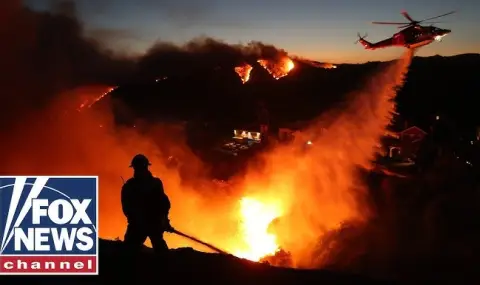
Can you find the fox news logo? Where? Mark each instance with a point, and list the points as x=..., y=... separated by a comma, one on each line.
x=48, y=225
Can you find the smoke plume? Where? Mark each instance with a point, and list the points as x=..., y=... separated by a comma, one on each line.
x=46, y=53
x=318, y=186
x=167, y=58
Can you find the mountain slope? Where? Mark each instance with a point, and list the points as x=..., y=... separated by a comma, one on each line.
x=434, y=84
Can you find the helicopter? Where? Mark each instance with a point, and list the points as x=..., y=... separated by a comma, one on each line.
x=412, y=36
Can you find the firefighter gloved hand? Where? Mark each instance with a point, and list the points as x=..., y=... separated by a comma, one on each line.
x=168, y=227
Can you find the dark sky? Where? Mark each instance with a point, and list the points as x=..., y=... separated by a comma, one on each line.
x=322, y=30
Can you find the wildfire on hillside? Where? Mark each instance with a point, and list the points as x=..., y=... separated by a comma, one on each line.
x=244, y=72
x=277, y=69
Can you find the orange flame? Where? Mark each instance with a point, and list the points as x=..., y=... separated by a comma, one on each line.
x=255, y=220
x=277, y=69
x=244, y=72
x=328, y=66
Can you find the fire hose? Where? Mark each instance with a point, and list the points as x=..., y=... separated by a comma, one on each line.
x=214, y=248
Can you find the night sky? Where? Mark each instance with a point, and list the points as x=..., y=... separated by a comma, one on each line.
x=323, y=30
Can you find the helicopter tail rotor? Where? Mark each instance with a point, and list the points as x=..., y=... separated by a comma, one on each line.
x=360, y=38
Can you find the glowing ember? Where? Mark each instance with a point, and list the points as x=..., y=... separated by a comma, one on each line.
x=256, y=218
x=90, y=103
x=244, y=72
x=277, y=69
x=161, y=78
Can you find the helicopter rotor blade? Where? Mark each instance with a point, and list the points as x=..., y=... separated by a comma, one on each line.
x=408, y=25
x=413, y=24
x=412, y=21
x=407, y=16
x=443, y=15
x=390, y=23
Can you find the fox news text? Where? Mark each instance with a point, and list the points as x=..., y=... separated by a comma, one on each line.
x=48, y=225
